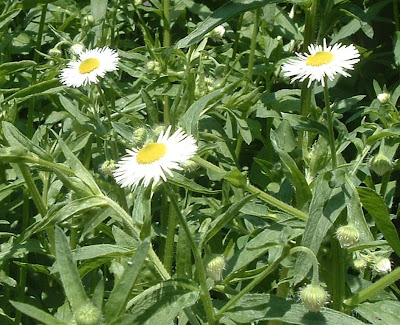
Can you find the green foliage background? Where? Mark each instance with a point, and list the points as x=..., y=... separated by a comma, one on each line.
x=262, y=191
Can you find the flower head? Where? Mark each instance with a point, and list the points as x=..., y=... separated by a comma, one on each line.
x=314, y=297
x=154, y=160
x=383, y=265
x=347, y=235
x=322, y=61
x=383, y=98
x=91, y=65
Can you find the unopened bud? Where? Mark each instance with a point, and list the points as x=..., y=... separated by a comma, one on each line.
x=138, y=2
x=55, y=53
x=383, y=265
x=153, y=66
x=347, y=235
x=88, y=21
x=77, y=48
x=360, y=264
x=215, y=265
x=314, y=297
x=88, y=314
x=139, y=136
x=383, y=98
x=218, y=32
x=108, y=167
x=190, y=165
x=381, y=164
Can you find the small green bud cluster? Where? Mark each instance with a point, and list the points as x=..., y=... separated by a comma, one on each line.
x=153, y=67
x=314, y=297
x=139, y=137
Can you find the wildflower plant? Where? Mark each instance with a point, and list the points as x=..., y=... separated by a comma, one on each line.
x=193, y=162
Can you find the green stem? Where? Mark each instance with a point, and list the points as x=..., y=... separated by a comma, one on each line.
x=38, y=45
x=170, y=240
x=253, y=45
x=338, y=270
x=374, y=288
x=252, y=189
x=136, y=232
x=114, y=150
x=309, y=37
x=205, y=294
x=33, y=190
x=329, y=118
x=166, y=43
x=396, y=14
x=315, y=277
x=254, y=282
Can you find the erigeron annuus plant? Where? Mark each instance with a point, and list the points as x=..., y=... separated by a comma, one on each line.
x=178, y=162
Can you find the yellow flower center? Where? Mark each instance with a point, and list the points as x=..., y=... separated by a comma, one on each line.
x=88, y=65
x=319, y=58
x=151, y=153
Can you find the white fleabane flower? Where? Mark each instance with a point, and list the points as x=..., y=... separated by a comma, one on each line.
x=321, y=61
x=155, y=160
x=91, y=65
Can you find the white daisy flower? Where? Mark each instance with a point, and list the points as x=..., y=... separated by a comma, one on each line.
x=322, y=61
x=155, y=160
x=91, y=65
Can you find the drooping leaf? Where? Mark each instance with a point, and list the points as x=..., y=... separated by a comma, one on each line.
x=37, y=314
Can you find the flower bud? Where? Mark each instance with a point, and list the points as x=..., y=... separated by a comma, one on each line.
x=108, y=167
x=190, y=165
x=215, y=265
x=383, y=98
x=88, y=21
x=77, y=48
x=381, y=164
x=138, y=2
x=383, y=265
x=139, y=136
x=218, y=32
x=360, y=264
x=55, y=53
x=313, y=297
x=88, y=314
x=347, y=235
x=153, y=66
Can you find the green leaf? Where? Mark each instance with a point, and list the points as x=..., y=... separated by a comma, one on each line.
x=254, y=308
x=190, y=185
x=325, y=207
x=11, y=67
x=190, y=120
x=164, y=302
x=37, y=314
x=303, y=192
x=78, y=168
x=68, y=272
x=39, y=89
x=58, y=214
x=220, y=16
x=98, y=9
x=303, y=123
x=118, y=298
x=15, y=138
x=222, y=220
x=151, y=109
x=100, y=250
x=380, y=312
x=376, y=207
x=8, y=17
